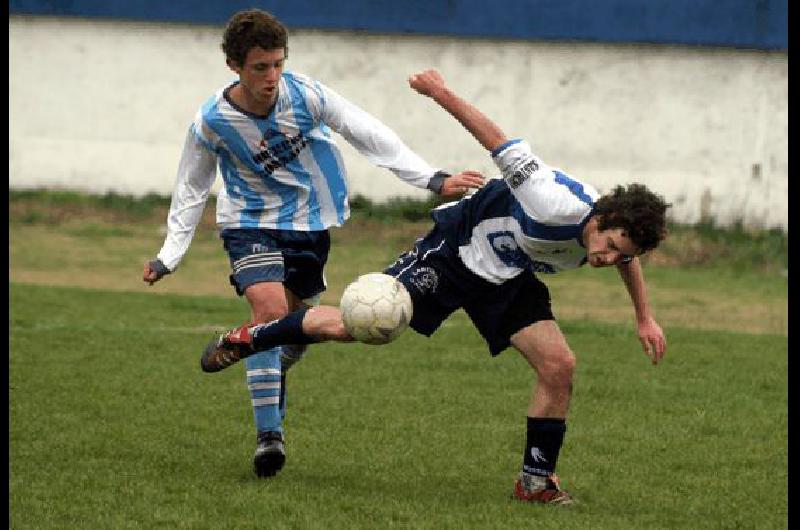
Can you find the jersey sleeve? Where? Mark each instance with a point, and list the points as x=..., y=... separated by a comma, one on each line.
x=196, y=173
x=370, y=137
x=545, y=194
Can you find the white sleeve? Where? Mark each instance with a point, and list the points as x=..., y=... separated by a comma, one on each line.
x=535, y=186
x=196, y=173
x=377, y=142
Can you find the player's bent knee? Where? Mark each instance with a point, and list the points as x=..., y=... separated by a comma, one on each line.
x=268, y=313
x=569, y=361
x=267, y=301
x=558, y=369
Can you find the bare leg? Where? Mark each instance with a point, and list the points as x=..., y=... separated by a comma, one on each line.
x=544, y=347
x=325, y=323
x=546, y=350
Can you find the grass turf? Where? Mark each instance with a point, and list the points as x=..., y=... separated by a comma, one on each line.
x=113, y=425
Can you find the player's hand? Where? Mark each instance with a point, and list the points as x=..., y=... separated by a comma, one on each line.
x=459, y=184
x=652, y=338
x=427, y=82
x=154, y=271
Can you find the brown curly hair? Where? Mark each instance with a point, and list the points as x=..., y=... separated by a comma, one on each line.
x=247, y=29
x=638, y=211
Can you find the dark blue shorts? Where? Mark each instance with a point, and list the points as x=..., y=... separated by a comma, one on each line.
x=439, y=284
x=296, y=259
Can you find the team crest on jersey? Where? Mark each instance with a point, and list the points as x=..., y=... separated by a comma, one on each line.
x=505, y=246
x=522, y=174
x=503, y=242
x=277, y=149
x=425, y=279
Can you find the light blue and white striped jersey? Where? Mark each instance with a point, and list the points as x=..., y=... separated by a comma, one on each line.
x=283, y=171
x=530, y=219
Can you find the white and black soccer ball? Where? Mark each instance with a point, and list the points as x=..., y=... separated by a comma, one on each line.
x=376, y=308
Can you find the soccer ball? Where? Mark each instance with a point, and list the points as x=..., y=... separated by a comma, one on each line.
x=376, y=308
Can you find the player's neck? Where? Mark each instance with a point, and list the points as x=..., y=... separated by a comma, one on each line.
x=245, y=101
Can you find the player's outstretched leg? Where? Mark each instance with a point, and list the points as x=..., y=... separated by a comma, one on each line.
x=242, y=342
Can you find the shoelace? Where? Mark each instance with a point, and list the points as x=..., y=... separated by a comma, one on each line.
x=227, y=361
x=225, y=357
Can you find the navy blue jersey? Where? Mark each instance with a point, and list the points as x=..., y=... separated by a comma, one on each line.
x=531, y=219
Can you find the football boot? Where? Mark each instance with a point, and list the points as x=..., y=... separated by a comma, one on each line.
x=270, y=455
x=543, y=490
x=227, y=349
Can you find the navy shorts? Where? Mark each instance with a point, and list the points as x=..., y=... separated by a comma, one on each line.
x=439, y=284
x=295, y=259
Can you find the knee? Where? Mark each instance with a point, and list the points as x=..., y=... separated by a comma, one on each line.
x=558, y=369
x=268, y=313
x=267, y=301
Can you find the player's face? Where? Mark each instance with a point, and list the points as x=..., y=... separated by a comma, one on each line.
x=609, y=247
x=260, y=74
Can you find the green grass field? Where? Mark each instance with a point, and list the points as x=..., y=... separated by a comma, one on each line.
x=113, y=425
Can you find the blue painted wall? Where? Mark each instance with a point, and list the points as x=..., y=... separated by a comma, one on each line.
x=756, y=24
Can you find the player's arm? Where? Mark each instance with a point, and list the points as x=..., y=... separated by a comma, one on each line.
x=650, y=334
x=384, y=148
x=520, y=167
x=431, y=83
x=196, y=174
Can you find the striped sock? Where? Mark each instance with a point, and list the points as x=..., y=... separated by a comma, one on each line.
x=264, y=384
x=282, y=402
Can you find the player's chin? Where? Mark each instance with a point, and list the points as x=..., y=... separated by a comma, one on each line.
x=267, y=95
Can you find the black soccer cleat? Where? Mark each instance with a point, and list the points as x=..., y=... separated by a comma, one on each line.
x=227, y=349
x=270, y=455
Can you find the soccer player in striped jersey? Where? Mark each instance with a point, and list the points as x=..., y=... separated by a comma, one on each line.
x=483, y=254
x=270, y=134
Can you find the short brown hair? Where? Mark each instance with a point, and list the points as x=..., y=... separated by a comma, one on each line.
x=248, y=29
x=638, y=211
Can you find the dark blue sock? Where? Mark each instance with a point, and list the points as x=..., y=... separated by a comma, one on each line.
x=286, y=330
x=545, y=436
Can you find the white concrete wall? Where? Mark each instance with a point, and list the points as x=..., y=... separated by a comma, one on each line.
x=103, y=106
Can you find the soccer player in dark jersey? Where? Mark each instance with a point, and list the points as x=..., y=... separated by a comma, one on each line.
x=484, y=254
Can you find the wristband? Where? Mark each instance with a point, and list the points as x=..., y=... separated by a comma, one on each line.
x=159, y=268
x=437, y=181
